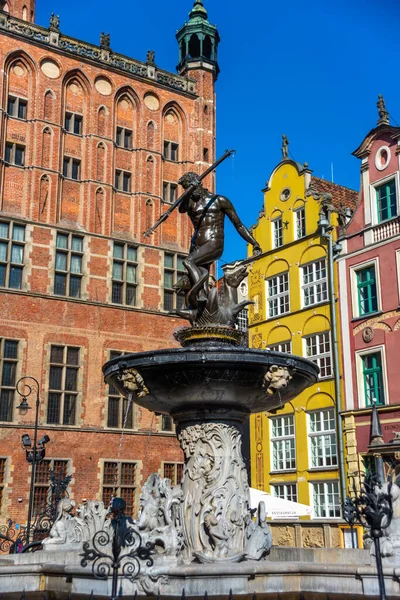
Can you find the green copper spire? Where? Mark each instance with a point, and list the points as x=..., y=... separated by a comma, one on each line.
x=198, y=11
x=198, y=42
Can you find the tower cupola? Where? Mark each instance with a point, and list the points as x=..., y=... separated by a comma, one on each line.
x=198, y=42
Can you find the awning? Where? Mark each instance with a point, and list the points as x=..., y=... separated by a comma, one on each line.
x=278, y=508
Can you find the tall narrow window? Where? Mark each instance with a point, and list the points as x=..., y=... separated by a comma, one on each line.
x=174, y=472
x=171, y=151
x=367, y=291
x=277, y=232
x=17, y=107
x=12, y=245
x=326, y=500
x=318, y=349
x=283, y=443
x=68, y=271
x=15, y=154
x=278, y=295
x=119, y=479
x=42, y=487
x=386, y=201
x=124, y=274
x=72, y=168
x=243, y=320
x=8, y=372
x=300, y=223
x=315, y=286
x=3, y=464
x=170, y=192
x=123, y=181
x=373, y=378
x=124, y=138
x=167, y=423
x=173, y=272
x=63, y=385
x=120, y=411
x=73, y=123
x=322, y=436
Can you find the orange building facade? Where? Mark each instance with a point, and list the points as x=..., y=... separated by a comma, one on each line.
x=92, y=146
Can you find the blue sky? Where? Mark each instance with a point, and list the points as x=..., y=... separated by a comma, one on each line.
x=312, y=70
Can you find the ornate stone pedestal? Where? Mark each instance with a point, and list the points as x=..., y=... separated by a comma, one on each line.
x=215, y=507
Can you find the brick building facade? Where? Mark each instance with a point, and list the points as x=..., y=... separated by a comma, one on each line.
x=92, y=146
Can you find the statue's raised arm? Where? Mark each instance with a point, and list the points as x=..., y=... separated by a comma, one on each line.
x=207, y=213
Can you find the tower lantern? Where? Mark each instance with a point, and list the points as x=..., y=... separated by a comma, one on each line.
x=198, y=42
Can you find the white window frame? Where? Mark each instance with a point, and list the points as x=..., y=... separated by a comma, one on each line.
x=279, y=295
x=280, y=440
x=296, y=211
x=279, y=347
x=286, y=495
x=360, y=377
x=315, y=283
x=323, y=433
x=273, y=229
x=325, y=485
x=317, y=357
x=372, y=196
x=374, y=262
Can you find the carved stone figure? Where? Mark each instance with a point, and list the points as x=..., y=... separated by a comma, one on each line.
x=71, y=530
x=54, y=22
x=160, y=515
x=133, y=382
x=390, y=543
x=62, y=531
x=105, y=40
x=276, y=379
x=259, y=536
x=285, y=147
x=151, y=58
x=382, y=111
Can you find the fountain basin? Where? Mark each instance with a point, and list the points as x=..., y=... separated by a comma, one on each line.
x=211, y=376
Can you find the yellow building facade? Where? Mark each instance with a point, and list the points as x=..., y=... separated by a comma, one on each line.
x=294, y=451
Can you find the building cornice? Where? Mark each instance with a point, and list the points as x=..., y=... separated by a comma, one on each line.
x=105, y=58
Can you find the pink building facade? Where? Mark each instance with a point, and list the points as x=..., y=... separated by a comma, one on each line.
x=369, y=276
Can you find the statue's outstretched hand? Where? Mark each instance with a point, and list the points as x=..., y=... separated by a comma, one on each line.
x=257, y=250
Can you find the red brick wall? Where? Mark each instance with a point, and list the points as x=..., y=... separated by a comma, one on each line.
x=40, y=197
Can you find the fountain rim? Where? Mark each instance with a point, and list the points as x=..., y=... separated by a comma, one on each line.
x=213, y=354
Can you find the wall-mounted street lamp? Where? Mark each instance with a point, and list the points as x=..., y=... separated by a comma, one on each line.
x=35, y=451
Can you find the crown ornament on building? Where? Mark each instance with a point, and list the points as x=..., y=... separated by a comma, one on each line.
x=105, y=40
x=382, y=111
x=54, y=22
x=151, y=58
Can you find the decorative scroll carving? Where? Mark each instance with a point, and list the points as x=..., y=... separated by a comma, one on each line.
x=276, y=379
x=133, y=382
x=216, y=520
x=70, y=529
